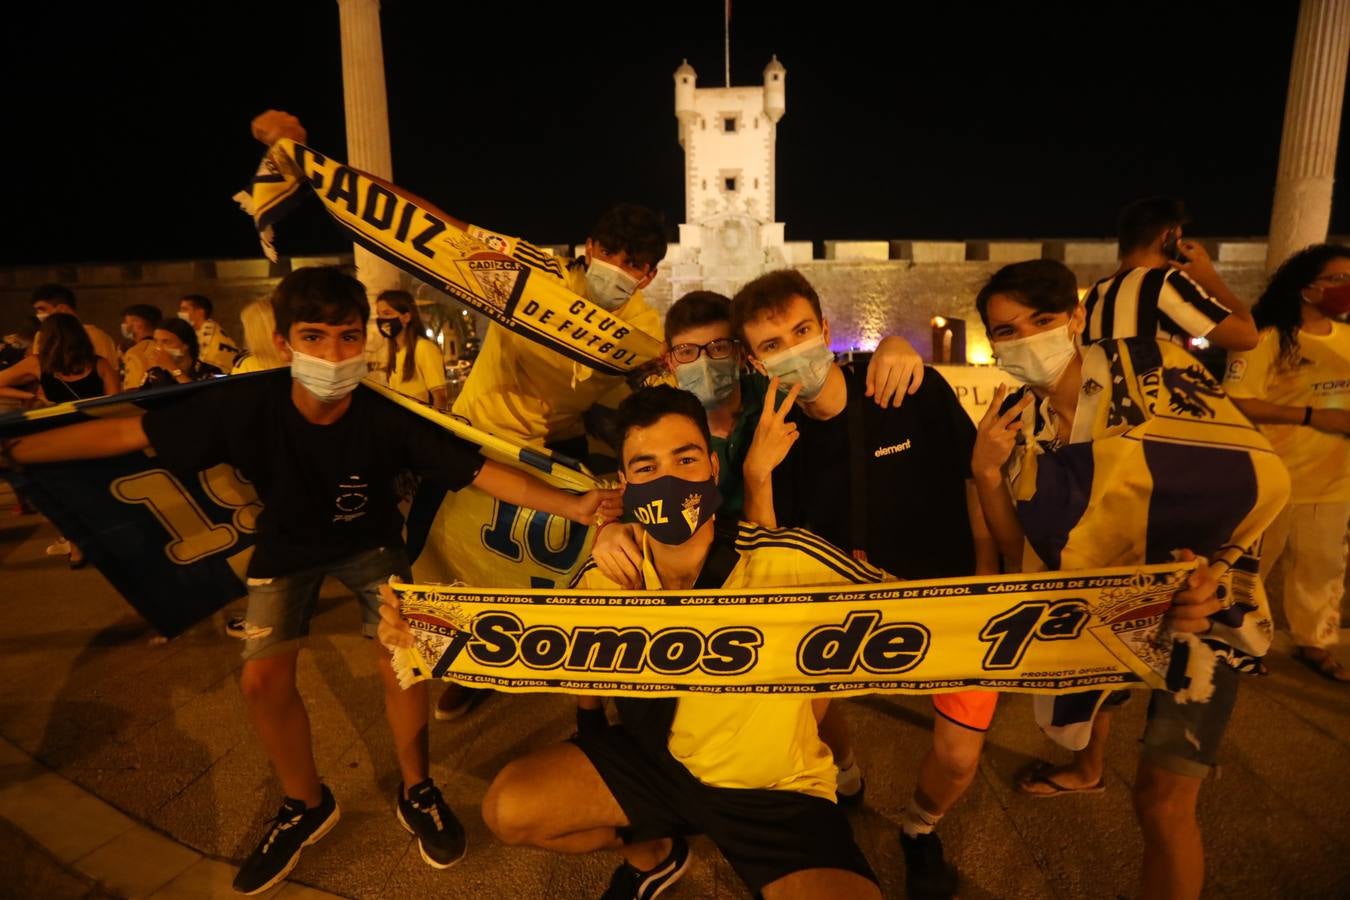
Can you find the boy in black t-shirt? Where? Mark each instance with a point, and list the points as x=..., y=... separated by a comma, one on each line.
x=322, y=453
x=891, y=485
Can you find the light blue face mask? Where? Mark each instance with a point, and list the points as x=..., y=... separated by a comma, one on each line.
x=807, y=364
x=710, y=380
x=607, y=285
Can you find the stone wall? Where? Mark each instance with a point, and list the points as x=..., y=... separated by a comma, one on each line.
x=868, y=288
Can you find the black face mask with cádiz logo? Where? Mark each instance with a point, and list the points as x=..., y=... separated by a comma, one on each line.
x=671, y=508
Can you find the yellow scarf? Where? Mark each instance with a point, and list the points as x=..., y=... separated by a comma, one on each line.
x=1028, y=633
x=512, y=282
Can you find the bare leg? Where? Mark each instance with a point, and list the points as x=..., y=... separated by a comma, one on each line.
x=1174, y=854
x=834, y=732
x=279, y=717
x=407, y=715
x=555, y=799
x=949, y=766
x=1088, y=766
x=822, y=884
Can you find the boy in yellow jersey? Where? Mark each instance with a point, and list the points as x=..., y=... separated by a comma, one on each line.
x=520, y=389
x=749, y=772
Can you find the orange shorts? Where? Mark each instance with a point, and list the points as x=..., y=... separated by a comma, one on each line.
x=969, y=709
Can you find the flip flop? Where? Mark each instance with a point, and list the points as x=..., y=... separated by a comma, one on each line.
x=1325, y=665
x=1039, y=774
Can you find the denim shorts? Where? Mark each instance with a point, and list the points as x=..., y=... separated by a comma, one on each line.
x=279, y=609
x=1184, y=737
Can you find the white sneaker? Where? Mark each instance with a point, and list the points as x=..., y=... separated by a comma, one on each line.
x=849, y=785
x=60, y=548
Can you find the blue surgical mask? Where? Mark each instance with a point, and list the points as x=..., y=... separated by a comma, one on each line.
x=710, y=380
x=807, y=364
x=607, y=285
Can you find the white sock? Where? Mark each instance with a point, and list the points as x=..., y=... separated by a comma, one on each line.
x=848, y=778
x=915, y=820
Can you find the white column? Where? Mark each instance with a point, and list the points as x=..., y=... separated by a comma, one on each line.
x=1312, y=116
x=367, y=111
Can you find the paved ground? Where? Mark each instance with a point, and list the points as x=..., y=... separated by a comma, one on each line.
x=159, y=733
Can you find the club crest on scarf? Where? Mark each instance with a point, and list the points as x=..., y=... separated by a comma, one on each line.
x=517, y=285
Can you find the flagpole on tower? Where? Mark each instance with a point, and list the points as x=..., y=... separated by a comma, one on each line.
x=726, y=38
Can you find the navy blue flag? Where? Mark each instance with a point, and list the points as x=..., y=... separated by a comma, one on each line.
x=175, y=546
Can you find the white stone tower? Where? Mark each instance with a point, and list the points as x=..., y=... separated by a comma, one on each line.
x=729, y=235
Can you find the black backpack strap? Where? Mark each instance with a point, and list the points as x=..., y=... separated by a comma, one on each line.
x=722, y=557
x=857, y=475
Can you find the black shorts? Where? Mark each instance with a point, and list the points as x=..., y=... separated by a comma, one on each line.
x=763, y=834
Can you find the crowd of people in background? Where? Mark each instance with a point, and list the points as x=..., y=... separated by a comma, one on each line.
x=759, y=419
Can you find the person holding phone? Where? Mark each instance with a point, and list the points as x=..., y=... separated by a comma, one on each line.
x=1166, y=286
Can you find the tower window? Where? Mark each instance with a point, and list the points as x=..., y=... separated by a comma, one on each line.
x=729, y=124
x=729, y=183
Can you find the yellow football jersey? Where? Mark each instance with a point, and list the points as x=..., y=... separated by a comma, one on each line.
x=525, y=391
x=1318, y=462
x=741, y=741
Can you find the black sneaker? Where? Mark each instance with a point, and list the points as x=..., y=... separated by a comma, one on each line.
x=629, y=883
x=927, y=875
x=440, y=837
x=292, y=829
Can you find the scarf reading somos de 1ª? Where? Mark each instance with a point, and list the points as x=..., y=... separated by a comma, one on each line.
x=1032, y=633
x=512, y=282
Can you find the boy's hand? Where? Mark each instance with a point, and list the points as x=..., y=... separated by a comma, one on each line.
x=774, y=435
x=618, y=556
x=393, y=632
x=895, y=370
x=997, y=435
x=1199, y=599
x=275, y=124
x=601, y=504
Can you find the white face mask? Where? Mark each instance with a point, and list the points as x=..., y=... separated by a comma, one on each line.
x=327, y=381
x=607, y=285
x=1038, y=360
x=41, y=316
x=185, y=316
x=807, y=364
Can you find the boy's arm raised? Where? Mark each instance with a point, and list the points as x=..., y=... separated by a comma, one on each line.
x=86, y=440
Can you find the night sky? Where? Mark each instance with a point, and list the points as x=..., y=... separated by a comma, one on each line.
x=129, y=122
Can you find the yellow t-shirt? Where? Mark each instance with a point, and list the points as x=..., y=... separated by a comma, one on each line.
x=741, y=741
x=428, y=371
x=525, y=391
x=1318, y=463
x=135, y=365
x=214, y=346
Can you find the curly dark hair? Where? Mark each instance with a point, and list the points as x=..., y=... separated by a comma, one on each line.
x=1280, y=305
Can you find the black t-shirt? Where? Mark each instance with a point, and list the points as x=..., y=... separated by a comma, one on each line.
x=328, y=490
x=915, y=460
